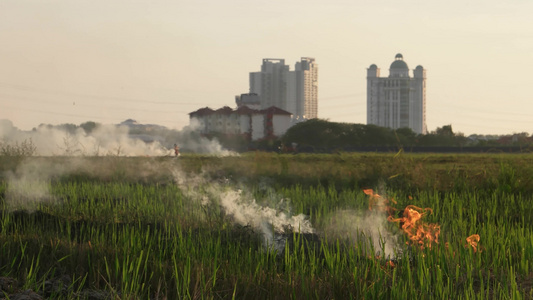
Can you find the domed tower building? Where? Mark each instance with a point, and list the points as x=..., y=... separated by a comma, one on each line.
x=399, y=100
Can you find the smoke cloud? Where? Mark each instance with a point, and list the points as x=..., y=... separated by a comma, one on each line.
x=245, y=211
x=127, y=139
x=190, y=139
x=369, y=229
x=241, y=208
x=29, y=184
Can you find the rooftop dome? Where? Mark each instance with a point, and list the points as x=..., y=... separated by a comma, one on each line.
x=398, y=62
x=373, y=66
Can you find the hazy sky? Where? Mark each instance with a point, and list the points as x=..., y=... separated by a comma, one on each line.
x=70, y=61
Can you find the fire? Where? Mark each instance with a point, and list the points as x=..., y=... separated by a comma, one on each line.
x=390, y=264
x=418, y=232
x=472, y=241
x=375, y=198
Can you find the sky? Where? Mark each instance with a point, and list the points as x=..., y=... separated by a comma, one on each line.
x=65, y=61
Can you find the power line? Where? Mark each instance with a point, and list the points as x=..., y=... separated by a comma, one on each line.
x=85, y=116
x=348, y=96
x=462, y=109
x=63, y=93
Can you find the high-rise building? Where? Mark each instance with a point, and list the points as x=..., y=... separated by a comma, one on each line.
x=303, y=89
x=294, y=91
x=399, y=100
x=271, y=83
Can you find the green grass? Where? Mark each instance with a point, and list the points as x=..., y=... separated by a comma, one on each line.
x=140, y=228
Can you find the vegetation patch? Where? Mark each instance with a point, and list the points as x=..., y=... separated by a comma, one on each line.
x=268, y=226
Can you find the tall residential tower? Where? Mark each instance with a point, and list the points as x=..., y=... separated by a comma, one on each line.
x=294, y=91
x=271, y=83
x=399, y=100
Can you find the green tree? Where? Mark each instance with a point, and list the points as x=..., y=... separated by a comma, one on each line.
x=406, y=136
x=89, y=126
x=445, y=130
x=330, y=135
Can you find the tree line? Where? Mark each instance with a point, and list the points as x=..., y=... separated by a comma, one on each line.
x=319, y=135
x=323, y=135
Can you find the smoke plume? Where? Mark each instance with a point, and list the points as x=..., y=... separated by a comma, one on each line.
x=126, y=139
x=369, y=229
x=241, y=208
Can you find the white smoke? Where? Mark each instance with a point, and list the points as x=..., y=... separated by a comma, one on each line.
x=242, y=208
x=369, y=230
x=29, y=184
x=245, y=211
x=103, y=140
x=25, y=193
x=191, y=140
x=114, y=140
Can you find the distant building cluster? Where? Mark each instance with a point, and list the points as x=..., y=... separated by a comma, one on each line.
x=294, y=91
x=278, y=98
x=399, y=100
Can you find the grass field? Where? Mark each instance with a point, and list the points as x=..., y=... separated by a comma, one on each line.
x=268, y=226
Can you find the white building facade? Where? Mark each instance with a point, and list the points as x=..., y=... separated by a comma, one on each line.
x=399, y=100
x=294, y=91
x=253, y=123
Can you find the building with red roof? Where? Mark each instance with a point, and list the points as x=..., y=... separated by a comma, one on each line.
x=255, y=124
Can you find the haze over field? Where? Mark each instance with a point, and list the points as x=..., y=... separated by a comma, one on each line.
x=156, y=61
x=109, y=140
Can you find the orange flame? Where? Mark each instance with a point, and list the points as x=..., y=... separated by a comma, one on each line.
x=391, y=264
x=375, y=198
x=472, y=241
x=418, y=232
